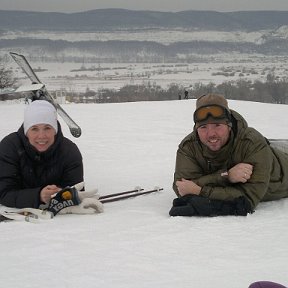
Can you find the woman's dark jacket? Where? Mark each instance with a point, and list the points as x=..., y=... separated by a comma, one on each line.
x=24, y=171
x=269, y=180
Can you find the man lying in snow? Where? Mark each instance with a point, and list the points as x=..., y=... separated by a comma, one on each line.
x=225, y=167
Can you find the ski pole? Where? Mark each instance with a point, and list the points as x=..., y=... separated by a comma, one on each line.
x=132, y=194
x=137, y=189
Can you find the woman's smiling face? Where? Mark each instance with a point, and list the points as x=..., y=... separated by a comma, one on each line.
x=41, y=136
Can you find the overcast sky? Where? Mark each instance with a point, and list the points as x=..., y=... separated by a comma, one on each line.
x=155, y=5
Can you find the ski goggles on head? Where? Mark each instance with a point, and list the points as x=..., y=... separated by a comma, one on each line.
x=214, y=111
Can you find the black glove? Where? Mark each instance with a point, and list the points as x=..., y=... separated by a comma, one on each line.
x=65, y=198
x=194, y=205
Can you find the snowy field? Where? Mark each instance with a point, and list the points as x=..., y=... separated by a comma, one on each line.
x=77, y=77
x=94, y=76
x=135, y=243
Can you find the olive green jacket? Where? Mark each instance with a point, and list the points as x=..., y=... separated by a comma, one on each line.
x=269, y=180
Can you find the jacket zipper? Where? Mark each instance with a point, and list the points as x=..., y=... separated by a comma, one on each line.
x=209, y=165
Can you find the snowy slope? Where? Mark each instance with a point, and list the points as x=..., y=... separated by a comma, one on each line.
x=134, y=243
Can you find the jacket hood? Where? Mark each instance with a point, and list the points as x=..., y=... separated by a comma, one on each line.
x=239, y=124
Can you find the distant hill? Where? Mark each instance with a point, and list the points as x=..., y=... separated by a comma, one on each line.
x=103, y=19
x=119, y=35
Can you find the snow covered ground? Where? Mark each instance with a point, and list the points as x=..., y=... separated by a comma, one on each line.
x=134, y=243
x=68, y=76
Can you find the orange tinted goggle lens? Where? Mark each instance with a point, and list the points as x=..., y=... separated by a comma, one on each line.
x=213, y=111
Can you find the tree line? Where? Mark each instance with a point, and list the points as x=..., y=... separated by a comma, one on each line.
x=273, y=90
x=133, y=51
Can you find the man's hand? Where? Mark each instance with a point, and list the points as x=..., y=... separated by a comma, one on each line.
x=187, y=187
x=240, y=173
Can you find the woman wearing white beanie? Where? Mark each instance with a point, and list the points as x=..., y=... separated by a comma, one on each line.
x=40, y=124
x=37, y=161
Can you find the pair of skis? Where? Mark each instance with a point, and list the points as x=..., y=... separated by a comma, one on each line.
x=39, y=92
x=35, y=215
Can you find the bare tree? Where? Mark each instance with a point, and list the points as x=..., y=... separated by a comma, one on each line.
x=6, y=77
x=278, y=88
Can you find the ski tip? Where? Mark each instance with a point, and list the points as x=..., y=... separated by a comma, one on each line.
x=76, y=132
x=13, y=53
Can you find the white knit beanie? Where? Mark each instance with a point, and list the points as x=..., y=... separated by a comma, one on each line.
x=40, y=112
